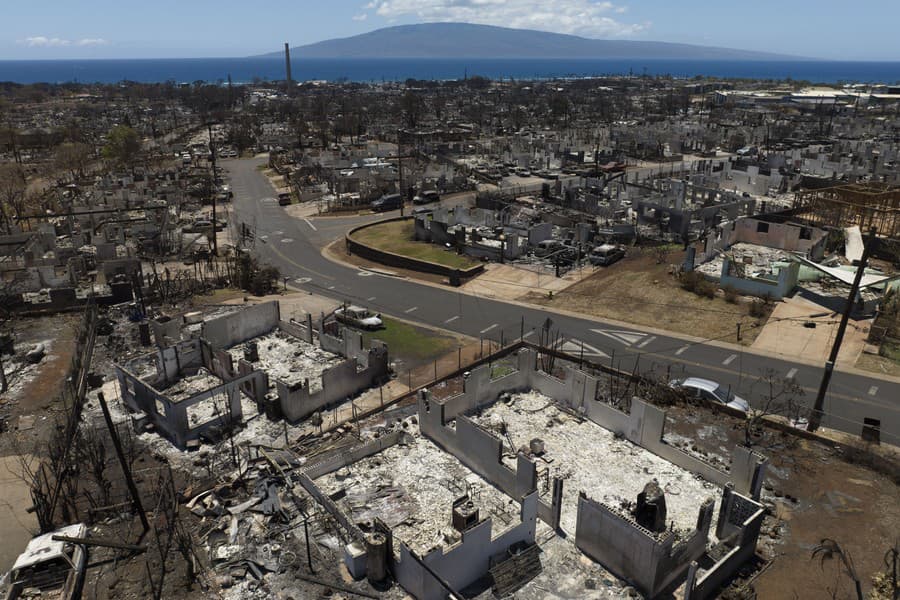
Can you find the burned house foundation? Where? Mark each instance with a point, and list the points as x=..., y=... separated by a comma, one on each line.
x=286, y=369
x=467, y=483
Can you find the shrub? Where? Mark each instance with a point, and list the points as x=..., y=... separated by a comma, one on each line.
x=757, y=309
x=731, y=294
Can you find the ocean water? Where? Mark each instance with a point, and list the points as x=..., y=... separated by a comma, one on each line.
x=245, y=70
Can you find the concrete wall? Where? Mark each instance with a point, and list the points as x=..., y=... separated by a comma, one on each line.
x=476, y=448
x=740, y=520
x=757, y=286
x=466, y=561
x=248, y=323
x=644, y=425
x=650, y=561
x=339, y=383
x=785, y=236
x=171, y=418
x=404, y=262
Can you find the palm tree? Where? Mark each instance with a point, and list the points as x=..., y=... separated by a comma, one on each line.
x=828, y=549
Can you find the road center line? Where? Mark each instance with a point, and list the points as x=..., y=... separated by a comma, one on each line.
x=310, y=224
x=647, y=341
x=729, y=360
x=409, y=310
x=791, y=374
x=681, y=350
x=451, y=319
x=873, y=390
x=486, y=329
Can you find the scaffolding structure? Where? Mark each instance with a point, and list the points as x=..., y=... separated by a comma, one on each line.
x=864, y=204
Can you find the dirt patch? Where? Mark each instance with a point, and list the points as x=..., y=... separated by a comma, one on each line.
x=27, y=406
x=641, y=289
x=813, y=492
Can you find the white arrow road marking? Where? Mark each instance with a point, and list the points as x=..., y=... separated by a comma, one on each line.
x=729, y=360
x=628, y=338
x=681, y=350
x=873, y=390
x=791, y=374
x=302, y=280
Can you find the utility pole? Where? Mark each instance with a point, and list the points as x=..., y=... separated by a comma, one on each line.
x=126, y=470
x=213, y=188
x=400, y=173
x=815, y=418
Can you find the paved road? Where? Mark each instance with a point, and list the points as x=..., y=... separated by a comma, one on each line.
x=294, y=246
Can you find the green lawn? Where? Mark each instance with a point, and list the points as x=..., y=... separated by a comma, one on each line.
x=413, y=345
x=397, y=237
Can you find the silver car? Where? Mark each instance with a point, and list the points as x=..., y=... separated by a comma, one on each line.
x=710, y=390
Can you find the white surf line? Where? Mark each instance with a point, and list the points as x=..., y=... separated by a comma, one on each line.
x=310, y=224
x=409, y=310
x=486, y=329
x=647, y=341
x=681, y=350
x=791, y=374
x=729, y=360
x=873, y=390
x=451, y=319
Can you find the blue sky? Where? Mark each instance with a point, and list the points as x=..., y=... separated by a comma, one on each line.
x=44, y=29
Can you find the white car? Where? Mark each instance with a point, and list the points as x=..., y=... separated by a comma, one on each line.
x=710, y=390
x=357, y=316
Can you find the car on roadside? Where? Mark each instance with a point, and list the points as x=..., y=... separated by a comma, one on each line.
x=427, y=197
x=387, y=202
x=606, y=255
x=710, y=390
x=357, y=316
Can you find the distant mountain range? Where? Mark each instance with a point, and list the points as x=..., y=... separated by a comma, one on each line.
x=465, y=40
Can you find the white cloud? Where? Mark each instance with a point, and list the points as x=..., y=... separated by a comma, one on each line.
x=360, y=17
x=581, y=17
x=40, y=41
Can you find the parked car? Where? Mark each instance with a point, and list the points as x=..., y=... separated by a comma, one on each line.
x=387, y=202
x=606, y=255
x=423, y=210
x=357, y=316
x=710, y=390
x=427, y=197
x=546, y=248
x=54, y=568
x=284, y=198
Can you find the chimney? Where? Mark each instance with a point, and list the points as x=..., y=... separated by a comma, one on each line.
x=287, y=67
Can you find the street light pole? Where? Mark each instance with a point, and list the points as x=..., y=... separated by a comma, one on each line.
x=815, y=418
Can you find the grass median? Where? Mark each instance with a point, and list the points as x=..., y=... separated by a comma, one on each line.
x=396, y=237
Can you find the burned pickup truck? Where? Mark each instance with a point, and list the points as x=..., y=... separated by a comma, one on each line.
x=49, y=568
